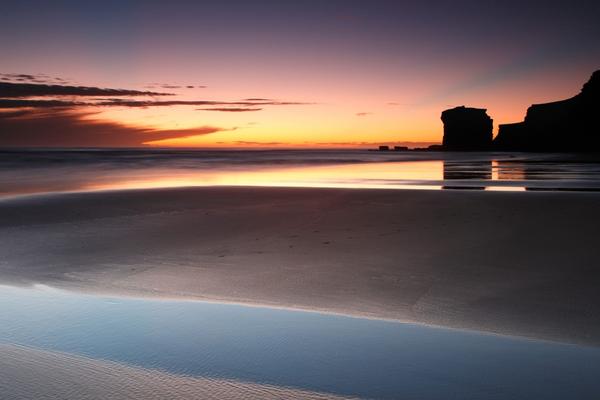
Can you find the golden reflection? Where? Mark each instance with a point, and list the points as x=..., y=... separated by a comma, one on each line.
x=473, y=170
x=416, y=175
x=427, y=175
x=506, y=188
x=507, y=171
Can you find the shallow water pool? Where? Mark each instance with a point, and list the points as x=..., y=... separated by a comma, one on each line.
x=306, y=350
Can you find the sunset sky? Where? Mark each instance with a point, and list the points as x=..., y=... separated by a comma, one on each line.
x=280, y=73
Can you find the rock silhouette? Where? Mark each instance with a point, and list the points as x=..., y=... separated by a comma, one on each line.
x=566, y=125
x=467, y=129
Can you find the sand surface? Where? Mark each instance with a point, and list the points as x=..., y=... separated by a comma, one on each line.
x=515, y=263
x=29, y=373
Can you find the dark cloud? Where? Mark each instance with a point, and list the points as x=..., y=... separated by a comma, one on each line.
x=363, y=114
x=19, y=90
x=41, y=78
x=58, y=115
x=14, y=114
x=167, y=103
x=27, y=95
x=36, y=103
x=68, y=128
x=172, y=86
x=230, y=109
x=22, y=103
x=21, y=76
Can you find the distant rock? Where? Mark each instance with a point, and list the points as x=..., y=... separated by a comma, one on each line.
x=435, y=147
x=567, y=125
x=467, y=128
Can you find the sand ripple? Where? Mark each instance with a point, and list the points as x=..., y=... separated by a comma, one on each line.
x=27, y=373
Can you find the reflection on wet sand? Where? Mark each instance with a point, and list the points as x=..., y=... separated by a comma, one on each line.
x=502, y=171
x=480, y=170
x=520, y=175
x=508, y=171
x=479, y=175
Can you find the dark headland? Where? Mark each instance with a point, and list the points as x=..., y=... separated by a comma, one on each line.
x=565, y=125
x=570, y=125
x=467, y=128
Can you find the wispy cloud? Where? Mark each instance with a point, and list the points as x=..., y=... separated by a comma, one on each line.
x=30, y=78
x=50, y=115
x=20, y=90
x=37, y=103
x=363, y=114
x=36, y=95
x=174, y=86
x=230, y=109
x=68, y=128
x=165, y=103
x=23, y=103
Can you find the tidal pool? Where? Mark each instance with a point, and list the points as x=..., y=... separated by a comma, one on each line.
x=297, y=349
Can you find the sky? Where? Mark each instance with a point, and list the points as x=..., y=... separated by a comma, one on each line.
x=280, y=73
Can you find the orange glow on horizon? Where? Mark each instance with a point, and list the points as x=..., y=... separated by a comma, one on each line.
x=329, y=119
x=323, y=111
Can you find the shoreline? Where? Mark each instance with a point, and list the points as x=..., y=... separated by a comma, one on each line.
x=513, y=263
x=87, y=377
x=111, y=293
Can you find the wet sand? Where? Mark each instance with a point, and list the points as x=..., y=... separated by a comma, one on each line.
x=513, y=263
x=29, y=373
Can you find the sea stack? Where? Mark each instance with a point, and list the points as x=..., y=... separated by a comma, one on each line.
x=467, y=129
x=566, y=125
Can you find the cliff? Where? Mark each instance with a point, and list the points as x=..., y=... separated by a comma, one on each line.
x=567, y=125
x=466, y=128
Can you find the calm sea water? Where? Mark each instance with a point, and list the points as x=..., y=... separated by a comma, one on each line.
x=307, y=350
x=43, y=171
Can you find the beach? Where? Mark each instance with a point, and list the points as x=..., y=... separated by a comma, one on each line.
x=56, y=375
x=518, y=263
x=299, y=200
